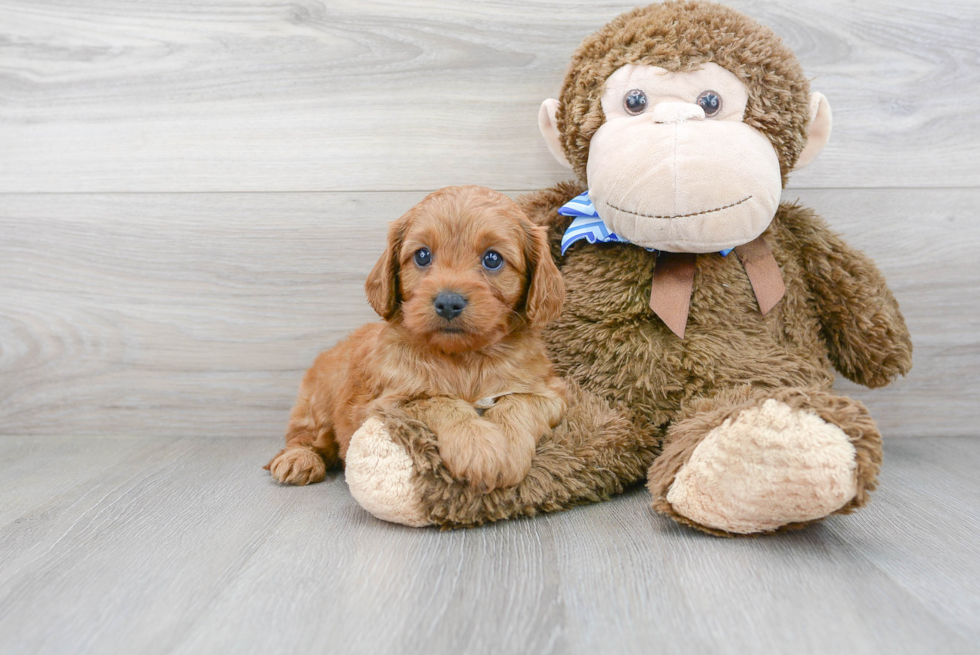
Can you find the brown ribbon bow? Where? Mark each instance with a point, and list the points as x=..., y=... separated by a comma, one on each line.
x=673, y=281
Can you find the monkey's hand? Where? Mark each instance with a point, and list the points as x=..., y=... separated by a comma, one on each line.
x=862, y=324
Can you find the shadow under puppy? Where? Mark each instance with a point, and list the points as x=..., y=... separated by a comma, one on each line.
x=464, y=287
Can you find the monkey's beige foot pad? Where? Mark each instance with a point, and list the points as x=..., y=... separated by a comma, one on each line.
x=771, y=466
x=380, y=475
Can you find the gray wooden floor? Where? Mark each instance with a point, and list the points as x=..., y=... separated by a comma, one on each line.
x=162, y=545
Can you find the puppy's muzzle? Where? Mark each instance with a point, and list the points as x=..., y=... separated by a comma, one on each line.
x=449, y=304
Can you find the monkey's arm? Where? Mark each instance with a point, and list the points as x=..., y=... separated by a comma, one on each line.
x=862, y=324
x=542, y=208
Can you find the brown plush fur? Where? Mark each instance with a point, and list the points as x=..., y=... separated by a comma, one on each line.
x=637, y=387
x=438, y=367
x=610, y=340
x=837, y=311
x=594, y=453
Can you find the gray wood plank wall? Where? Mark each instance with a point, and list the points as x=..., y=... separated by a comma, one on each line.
x=192, y=192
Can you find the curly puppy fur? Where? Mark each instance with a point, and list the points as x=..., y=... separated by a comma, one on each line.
x=436, y=366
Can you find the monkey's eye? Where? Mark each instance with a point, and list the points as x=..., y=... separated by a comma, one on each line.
x=492, y=260
x=635, y=102
x=710, y=102
x=423, y=257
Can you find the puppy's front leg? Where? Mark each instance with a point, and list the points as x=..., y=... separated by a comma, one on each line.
x=524, y=418
x=472, y=448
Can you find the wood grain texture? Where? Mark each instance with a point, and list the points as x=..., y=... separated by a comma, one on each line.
x=139, y=316
x=186, y=546
x=115, y=95
x=196, y=314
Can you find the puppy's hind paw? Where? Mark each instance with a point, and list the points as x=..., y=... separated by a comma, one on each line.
x=297, y=466
x=380, y=475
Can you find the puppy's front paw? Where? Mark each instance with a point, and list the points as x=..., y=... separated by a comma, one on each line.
x=297, y=466
x=481, y=454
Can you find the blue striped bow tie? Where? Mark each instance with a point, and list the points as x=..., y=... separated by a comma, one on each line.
x=587, y=225
x=673, y=278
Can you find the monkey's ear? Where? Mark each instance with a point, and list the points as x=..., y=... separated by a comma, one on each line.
x=546, y=288
x=819, y=132
x=382, y=282
x=548, y=125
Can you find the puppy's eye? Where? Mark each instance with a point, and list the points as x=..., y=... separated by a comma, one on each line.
x=423, y=257
x=492, y=260
x=635, y=102
x=710, y=102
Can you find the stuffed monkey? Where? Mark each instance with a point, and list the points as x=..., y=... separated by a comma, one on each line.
x=703, y=319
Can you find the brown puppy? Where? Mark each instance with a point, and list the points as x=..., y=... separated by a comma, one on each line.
x=464, y=287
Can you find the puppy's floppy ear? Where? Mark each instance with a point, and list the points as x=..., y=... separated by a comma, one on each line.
x=546, y=288
x=382, y=282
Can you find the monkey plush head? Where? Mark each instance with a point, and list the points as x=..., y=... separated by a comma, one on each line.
x=684, y=120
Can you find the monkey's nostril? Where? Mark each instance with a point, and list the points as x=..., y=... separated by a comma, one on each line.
x=449, y=305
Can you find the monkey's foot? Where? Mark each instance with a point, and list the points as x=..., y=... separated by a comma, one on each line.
x=380, y=475
x=768, y=464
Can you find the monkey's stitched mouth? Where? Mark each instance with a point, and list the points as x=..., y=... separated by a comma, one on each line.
x=706, y=211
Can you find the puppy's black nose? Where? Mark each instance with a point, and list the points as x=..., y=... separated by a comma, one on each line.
x=449, y=305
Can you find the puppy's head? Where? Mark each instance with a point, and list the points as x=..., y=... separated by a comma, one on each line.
x=463, y=269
